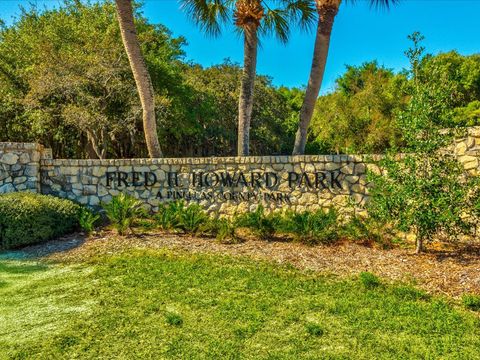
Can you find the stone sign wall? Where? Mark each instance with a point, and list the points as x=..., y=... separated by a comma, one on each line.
x=226, y=185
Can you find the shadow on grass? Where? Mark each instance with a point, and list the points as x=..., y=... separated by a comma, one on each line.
x=64, y=243
x=20, y=268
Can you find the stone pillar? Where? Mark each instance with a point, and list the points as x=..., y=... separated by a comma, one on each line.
x=20, y=166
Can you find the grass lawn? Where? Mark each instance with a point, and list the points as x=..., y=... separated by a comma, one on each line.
x=169, y=304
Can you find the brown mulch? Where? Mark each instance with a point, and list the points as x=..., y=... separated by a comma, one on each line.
x=451, y=272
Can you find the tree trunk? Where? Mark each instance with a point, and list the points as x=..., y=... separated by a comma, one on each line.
x=419, y=247
x=327, y=13
x=245, y=103
x=140, y=74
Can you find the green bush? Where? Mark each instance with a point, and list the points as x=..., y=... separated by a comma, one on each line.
x=167, y=217
x=192, y=218
x=87, y=220
x=28, y=218
x=261, y=224
x=177, y=215
x=312, y=227
x=359, y=229
x=122, y=211
x=222, y=229
x=173, y=319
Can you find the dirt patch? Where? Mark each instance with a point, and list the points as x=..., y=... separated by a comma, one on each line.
x=452, y=272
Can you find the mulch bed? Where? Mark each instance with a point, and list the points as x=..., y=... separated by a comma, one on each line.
x=452, y=272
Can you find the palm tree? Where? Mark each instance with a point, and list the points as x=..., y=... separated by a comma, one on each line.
x=140, y=74
x=326, y=11
x=252, y=18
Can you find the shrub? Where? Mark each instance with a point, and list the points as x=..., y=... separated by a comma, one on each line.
x=312, y=227
x=222, y=229
x=87, y=220
x=177, y=215
x=369, y=280
x=364, y=230
x=122, y=211
x=261, y=224
x=192, y=218
x=167, y=216
x=471, y=302
x=28, y=218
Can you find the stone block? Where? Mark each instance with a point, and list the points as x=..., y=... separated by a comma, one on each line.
x=6, y=188
x=9, y=158
x=348, y=168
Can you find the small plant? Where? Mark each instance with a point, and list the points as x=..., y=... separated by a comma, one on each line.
x=167, y=216
x=226, y=232
x=312, y=227
x=222, y=229
x=122, y=211
x=369, y=280
x=177, y=215
x=314, y=329
x=192, y=218
x=358, y=229
x=87, y=220
x=471, y=302
x=261, y=224
x=173, y=319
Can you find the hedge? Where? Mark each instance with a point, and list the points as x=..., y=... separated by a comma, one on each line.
x=28, y=218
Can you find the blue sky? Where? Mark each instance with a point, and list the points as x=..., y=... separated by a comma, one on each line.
x=360, y=34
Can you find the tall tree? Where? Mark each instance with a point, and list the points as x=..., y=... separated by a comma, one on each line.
x=248, y=14
x=140, y=74
x=327, y=11
x=251, y=18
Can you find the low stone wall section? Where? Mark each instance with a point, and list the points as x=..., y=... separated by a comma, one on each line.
x=227, y=185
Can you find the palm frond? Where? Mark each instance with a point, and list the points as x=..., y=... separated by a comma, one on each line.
x=209, y=15
x=276, y=22
x=383, y=3
x=303, y=12
x=379, y=4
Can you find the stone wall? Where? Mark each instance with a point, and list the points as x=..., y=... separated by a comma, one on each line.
x=20, y=166
x=467, y=150
x=225, y=185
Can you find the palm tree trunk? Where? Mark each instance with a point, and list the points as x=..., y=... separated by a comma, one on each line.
x=245, y=103
x=327, y=13
x=140, y=74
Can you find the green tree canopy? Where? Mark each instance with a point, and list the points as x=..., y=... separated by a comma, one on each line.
x=66, y=81
x=359, y=117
